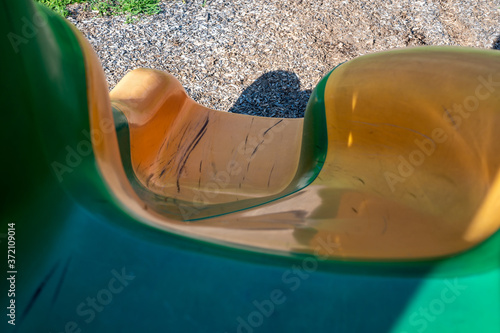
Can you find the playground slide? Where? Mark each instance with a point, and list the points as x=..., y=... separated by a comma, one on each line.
x=141, y=210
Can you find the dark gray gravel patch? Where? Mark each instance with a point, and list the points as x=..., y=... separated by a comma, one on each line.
x=264, y=57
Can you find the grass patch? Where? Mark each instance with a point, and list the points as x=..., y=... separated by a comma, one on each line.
x=59, y=6
x=130, y=8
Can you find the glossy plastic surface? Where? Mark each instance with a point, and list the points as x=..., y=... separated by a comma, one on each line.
x=406, y=174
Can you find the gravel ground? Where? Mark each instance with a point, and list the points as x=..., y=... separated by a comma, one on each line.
x=263, y=57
